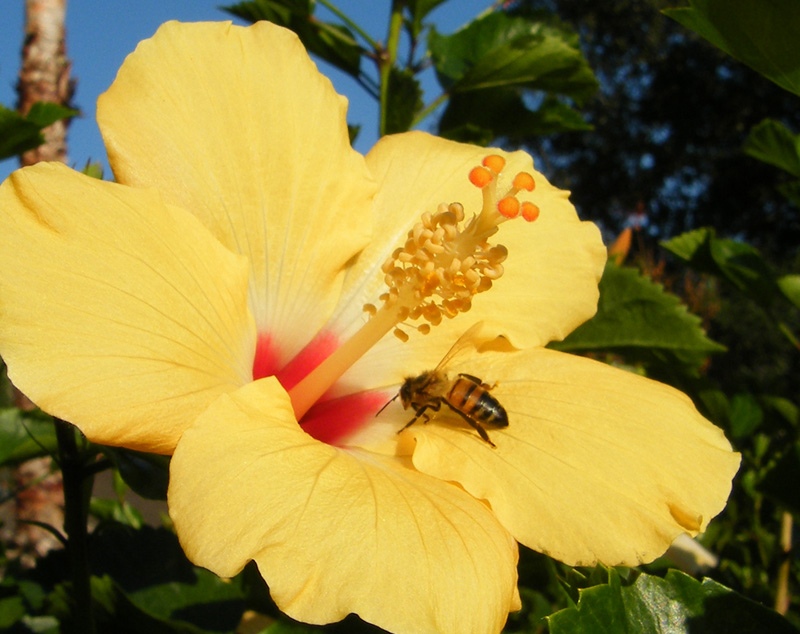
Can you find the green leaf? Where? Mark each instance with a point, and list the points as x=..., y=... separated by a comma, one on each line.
x=418, y=9
x=146, y=473
x=332, y=42
x=405, y=100
x=677, y=604
x=44, y=114
x=19, y=134
x=790, y=287
x=772, y=142
x=791, y=191
x=153, y=581
x=115, y=511
x=784, y=408
x=95, y=170
x=744, y=415
x=635, y=312
x=736, y=262
x=780, y=481
x=499, y=50
x=12, y=609
x=25, y=435
x=503, y=112
x=421, y=8
x=20, y=600
x=114, y=611
x=277, y=11
x=762, y=34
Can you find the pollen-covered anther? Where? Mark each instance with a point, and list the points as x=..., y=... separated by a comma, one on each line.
x=530, y=211
x=509, y=207
x=494, y=162
x=525, y=181
x=480, y=177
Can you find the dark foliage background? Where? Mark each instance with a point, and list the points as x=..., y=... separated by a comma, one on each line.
x=670, y=119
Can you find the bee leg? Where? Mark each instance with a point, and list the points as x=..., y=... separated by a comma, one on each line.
x=422, y=411
x=475, y=425
x=482, y=432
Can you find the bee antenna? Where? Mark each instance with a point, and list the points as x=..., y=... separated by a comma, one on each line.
x=387, y=404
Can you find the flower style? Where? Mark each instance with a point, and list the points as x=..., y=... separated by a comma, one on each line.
x=215, y=296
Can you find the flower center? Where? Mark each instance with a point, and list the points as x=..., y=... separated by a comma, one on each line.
x=445, y=261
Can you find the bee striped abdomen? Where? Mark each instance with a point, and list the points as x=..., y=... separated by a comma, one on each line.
x=474, y=400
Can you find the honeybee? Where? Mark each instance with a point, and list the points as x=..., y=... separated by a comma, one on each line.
x=465, y=394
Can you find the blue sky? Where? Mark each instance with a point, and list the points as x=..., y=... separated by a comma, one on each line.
x=100, y=33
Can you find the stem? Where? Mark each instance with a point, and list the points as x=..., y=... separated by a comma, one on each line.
x=76, y=512
x=782, y=596
x=429, y=108
x=349, y=22
x=388, y=60
x=786, y=331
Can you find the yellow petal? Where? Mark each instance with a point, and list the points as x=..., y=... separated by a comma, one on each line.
x=554, y=264
x=236, y=125
x=335, y=531
x=120, y=313
x=596, y=465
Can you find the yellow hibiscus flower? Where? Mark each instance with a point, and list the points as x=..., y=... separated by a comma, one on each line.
x=214, y=296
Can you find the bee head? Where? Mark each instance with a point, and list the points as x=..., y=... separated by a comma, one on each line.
x=406, y=391
x=405, y=394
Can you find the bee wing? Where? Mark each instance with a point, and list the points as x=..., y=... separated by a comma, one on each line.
x=466, y=343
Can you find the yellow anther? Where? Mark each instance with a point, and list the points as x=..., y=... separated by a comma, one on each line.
x=446, y=219
x=525, y=181
x=402, y=336
x=457, y=209
x=494, y=162
x=508, y=207
x=493, y=272
x=370, y=309
x=480, y=177
x=433, y=247
x=497, y=254
x=530, y=211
